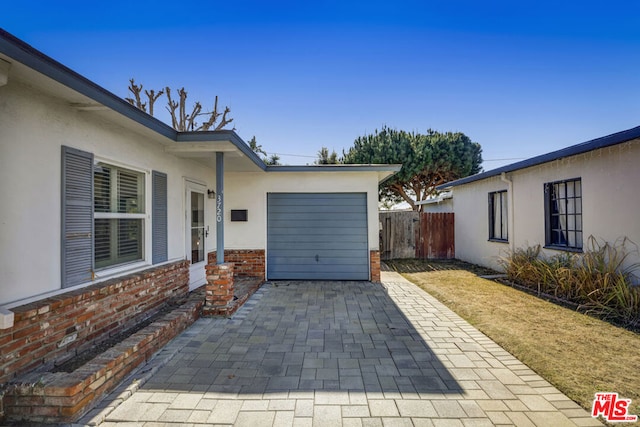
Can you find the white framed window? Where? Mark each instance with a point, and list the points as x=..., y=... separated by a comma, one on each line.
x=114, y=217
x=119, y=215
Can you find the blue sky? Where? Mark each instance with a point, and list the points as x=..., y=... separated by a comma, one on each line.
x=521, y=78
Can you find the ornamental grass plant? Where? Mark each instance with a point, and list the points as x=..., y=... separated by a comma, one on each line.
x=600, y=280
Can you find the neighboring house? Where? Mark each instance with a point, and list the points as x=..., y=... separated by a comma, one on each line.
x=98, y=196
x=443, y=202
x=556, y=200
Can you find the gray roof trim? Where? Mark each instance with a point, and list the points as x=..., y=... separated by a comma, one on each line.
x=594, y=144
x=24, y=53
x=222, y=135
x=393, y=169
x=38, y=61
x=335, y=168
x=43, y=64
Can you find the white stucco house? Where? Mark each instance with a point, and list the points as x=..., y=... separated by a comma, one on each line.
x=556, y=200
x=443, y=202
x=98, y=193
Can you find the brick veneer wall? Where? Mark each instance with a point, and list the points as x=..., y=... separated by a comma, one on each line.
x=57, y=328
x=219, y=287
x=247, y=262
x=374, y=263
x=46, y=397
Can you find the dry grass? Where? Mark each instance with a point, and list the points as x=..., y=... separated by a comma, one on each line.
x=578, y=354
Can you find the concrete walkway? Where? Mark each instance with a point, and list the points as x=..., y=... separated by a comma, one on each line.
x=337, y=354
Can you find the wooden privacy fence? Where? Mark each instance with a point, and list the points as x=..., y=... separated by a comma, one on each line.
x=436, y=236
x=398, y=234
x=408, y=234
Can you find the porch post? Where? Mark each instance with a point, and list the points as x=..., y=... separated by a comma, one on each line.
x=219, y=207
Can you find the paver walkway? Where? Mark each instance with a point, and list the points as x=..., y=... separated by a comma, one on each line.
x=337, y=354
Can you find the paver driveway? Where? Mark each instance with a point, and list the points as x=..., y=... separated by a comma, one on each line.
x=337, y=353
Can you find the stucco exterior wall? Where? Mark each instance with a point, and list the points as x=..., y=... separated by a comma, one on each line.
x=249, y=191
x=33, y=127
x=470, y=205
x=443, y=206
x=610, y=203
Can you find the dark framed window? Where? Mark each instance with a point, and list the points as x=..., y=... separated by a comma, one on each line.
x=498, y=223
x=563, y=214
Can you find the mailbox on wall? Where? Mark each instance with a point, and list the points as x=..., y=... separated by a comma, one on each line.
x=239, y=215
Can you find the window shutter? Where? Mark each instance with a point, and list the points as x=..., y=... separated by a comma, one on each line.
x=159, y=217
x=77, y=217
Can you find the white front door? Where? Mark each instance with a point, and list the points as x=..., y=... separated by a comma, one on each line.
x=195, y=233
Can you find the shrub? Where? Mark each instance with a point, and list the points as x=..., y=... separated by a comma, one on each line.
x=598, y=280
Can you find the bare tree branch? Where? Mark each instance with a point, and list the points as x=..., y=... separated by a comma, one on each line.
x=172, y=106
x=152, y=98
x=224, y=120
x=400, y=190
x=191, y=120
x=182, y=125
x=180, y=120
x=136, y=90
x=213, y=116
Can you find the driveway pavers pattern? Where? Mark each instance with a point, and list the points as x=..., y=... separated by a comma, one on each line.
x=337, y=354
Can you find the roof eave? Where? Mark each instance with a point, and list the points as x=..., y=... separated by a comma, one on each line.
x=584, y=147
x=43, y=64
x=24, y=53
x=222, y=135
x=385, y=172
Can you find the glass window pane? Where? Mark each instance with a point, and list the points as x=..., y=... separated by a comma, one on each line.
x=504, y=215
x=129, y=240
x=118, y=241
x=579, y=222
x=572, y=222
x=572, y=239
x=557, y=237
x=578, y=240
x=496, y=215
x=118, y=191
x=578, y=189
x=102, y=188
x=197, y=245
x=561, y=191
x=570, y=189
x=102, y=230
x=197, y=209
x=130, y=194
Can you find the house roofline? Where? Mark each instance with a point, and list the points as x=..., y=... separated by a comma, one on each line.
x=27, y=55
x=389, y=170
x=222, y=135
x=584, y=147
x=340, y=167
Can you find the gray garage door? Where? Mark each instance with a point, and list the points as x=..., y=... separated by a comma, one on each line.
x=320, y=236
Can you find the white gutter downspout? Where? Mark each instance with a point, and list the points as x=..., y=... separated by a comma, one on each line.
x=510, y=212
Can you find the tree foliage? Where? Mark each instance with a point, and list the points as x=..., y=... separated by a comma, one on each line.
x=255, y=147
x=427, y=161
x=180, y=119
x=272, y=160
x=324, y=158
